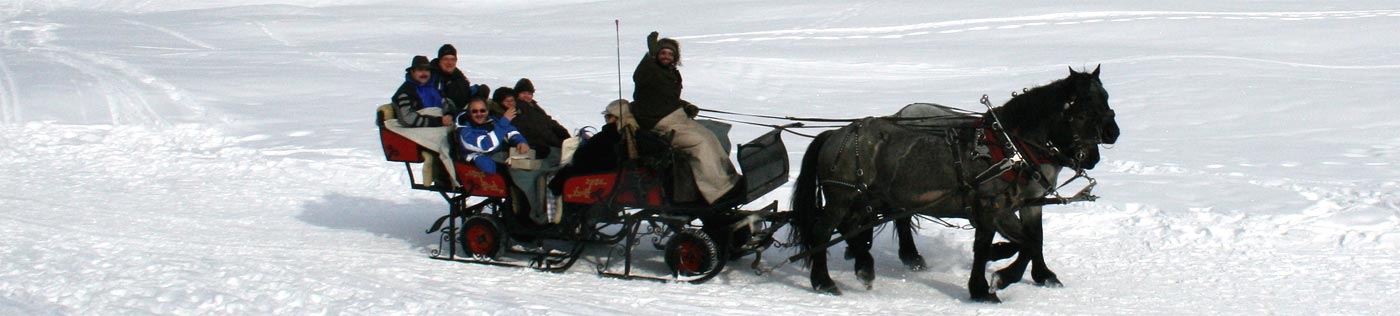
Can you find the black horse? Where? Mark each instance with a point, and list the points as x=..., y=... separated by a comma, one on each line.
x=953, y=166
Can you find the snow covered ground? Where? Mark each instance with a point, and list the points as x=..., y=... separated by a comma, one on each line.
x=219, y=157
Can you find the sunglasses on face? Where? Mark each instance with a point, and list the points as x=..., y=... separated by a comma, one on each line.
x=478, y=111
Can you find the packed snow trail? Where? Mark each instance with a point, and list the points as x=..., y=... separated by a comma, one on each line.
x=218, y=157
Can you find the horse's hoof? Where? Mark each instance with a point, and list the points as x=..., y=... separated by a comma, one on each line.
x=866, y=277
x=829, y=289
x=1051, y=283
x=989, y=298
x=915, y=262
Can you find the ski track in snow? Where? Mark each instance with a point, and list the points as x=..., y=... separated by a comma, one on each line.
x=263, y=26
x=1007, y=23
x=124, y=86
x=1250, y=60
x=174, y=34
x=10, y=111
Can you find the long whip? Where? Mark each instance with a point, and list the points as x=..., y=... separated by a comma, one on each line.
x=617, y=32
x=627, y=133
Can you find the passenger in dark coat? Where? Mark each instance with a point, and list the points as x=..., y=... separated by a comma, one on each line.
x=417, y=93
x=452, y=82
x=658, y=82
x=659, y=108
x=597, y=154
x=541, y=129
x=533, y=123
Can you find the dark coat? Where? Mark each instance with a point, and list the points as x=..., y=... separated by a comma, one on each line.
x=538, y=127
x=407, y=101
x=658, y=88
x=598, y=154
x=454, y=86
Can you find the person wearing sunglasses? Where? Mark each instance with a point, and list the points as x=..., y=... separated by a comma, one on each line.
x=658, y=107
x=481, y=135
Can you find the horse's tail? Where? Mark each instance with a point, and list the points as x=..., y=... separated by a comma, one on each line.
x=806, y=203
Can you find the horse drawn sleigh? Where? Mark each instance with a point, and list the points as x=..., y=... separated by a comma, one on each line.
x=486, y=221
x=995, y=169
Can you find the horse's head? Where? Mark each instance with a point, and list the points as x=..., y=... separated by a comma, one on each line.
x=1089, y=119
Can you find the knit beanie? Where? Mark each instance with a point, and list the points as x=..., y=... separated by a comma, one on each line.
x=524, y=85
x=502, y=93
x=447, y=49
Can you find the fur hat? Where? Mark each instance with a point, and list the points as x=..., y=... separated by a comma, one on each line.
x=419, y=62
x=447, y=49
x=616, y=107
x=673, y=45
x=502, y=93
x=524, y=85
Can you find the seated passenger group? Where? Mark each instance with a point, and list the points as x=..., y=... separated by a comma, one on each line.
x=434, y=92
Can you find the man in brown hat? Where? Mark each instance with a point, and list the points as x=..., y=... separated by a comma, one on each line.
x=658, y=107
x=418, y=102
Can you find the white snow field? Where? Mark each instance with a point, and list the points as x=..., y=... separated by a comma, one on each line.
x=220, y=157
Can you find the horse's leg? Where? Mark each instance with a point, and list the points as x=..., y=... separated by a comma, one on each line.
x=1003, y=250
x=1036, y=249
x=859, y=248
x=908, y=253
x=1012, y=273
x=981, y=252
x=821, y=278
x=837, y=207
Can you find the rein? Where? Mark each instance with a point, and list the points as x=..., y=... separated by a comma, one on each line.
x=786, y=128
x=821, y=119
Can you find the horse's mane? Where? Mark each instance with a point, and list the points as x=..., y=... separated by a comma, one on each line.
x=1029, y=110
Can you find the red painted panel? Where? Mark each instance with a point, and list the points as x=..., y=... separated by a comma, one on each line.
x=478, y=183
x=399, y=148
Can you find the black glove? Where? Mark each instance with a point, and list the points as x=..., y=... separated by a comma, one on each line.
x=653, y=46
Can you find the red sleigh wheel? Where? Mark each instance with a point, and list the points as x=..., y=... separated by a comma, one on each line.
x=693, y=256
x=482, y=237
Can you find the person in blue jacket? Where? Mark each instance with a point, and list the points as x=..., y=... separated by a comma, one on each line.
x=419, y=92
x=482, y=134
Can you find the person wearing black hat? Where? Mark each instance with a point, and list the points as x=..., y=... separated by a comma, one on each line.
x=545, y=134
x=418, y=102
x=509, y=110
x=503, y=103
x=452, y=82
x=658, y=107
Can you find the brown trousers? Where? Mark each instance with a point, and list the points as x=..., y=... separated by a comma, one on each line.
x=714, y=173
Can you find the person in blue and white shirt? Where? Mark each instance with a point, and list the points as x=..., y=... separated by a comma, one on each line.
x=481, y=134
